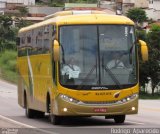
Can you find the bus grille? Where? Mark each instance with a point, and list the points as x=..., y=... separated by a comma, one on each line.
x=99, y=102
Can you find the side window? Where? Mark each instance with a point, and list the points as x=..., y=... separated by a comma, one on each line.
x=53, y=35
x=23, y=40
x=33, y=41
x=46, y=39
x=22, y=49
x=36, y=40
x=53, y=32
x=29, y=45
x=29, y=39
x=39, y=40
x=20, y=46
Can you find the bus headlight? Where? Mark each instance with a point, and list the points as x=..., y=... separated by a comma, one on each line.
x=128, y=98
x=68, y=99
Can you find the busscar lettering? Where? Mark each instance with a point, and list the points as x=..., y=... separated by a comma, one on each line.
x=104, y=93
x=99, y=88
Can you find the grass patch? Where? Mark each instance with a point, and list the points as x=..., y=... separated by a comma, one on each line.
x=8, y=66
x=144, y=95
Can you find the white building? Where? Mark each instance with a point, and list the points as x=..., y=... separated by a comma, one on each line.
x=154, y=4
x=152, y=7
x=4, y=3
x=137, y=3
x=128, y=4
x=24, y=2
x=153, y=12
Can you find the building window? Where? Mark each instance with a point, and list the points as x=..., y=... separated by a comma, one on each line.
x=150, y=1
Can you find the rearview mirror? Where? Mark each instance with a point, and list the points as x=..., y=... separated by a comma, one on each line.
x=56, y=50
x=144, y=50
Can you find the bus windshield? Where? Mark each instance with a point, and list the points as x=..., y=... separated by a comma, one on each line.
x=98, y=56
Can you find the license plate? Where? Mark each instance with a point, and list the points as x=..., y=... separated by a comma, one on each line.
x=100, y=110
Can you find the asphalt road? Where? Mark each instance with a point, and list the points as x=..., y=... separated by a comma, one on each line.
x=12, y=116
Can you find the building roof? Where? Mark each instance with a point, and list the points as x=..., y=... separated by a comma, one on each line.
x=71, y=5
x=34, y=18
x=108, y=11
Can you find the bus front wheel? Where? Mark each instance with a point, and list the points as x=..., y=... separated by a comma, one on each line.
x=119, y=118
x=55, y=120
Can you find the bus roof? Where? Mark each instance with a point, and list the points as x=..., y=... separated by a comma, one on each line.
x=68, y=18
x=73, y=12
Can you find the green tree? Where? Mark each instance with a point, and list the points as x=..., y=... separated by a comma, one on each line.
x=141, y=34
x=143, y=67
x=151, y=68
x=154, y=45
x=21, y=21
x=138, y=15
x=144, y=74
x=23, y=11
x=7, y=33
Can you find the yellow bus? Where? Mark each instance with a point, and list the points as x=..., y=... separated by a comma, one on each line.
x=67, y=68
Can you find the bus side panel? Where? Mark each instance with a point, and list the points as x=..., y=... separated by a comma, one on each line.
x=37, y=89
x=20, y=92
x=42, y=80
x=22, y=79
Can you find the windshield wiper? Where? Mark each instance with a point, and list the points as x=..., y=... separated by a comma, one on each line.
x=87, y=76
x=63, y=54
x=112, y=76
x=130, y=52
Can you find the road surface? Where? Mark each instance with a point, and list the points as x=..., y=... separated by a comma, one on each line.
x=12, y=116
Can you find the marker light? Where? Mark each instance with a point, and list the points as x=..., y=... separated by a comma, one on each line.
x=128, y=99
x=133, y=108
x=65, y=109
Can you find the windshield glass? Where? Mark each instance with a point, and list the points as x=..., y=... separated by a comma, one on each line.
x=97, y=56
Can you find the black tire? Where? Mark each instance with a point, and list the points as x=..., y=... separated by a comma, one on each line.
x=119, y=118
x=55, y=120
x=39, y=114
x=30, y=113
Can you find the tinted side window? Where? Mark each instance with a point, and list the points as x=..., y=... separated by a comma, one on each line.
x=39, y=40
x=47, y=39
x=22, y=48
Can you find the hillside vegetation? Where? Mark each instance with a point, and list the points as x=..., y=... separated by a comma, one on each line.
x=8, y=66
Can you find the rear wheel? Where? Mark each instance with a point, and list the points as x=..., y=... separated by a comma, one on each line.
x=30, y=113
x=119, y=118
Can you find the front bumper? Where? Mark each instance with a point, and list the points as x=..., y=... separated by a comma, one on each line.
x=64, y=108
